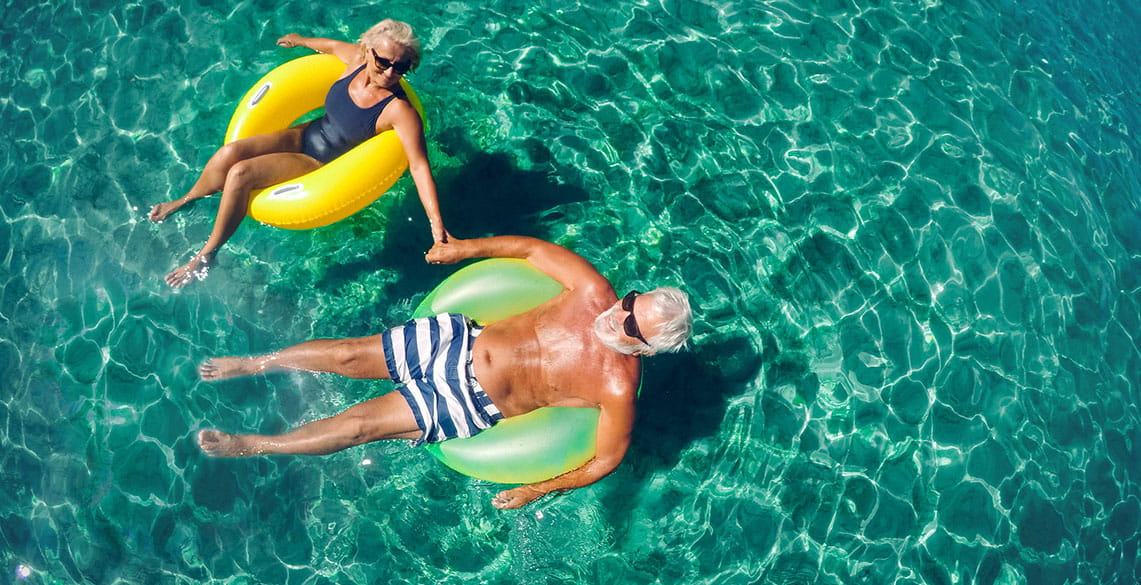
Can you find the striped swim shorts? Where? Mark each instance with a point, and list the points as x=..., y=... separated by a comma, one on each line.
x=430, y=359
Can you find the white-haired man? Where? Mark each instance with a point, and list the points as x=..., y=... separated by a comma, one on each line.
x=580, y=349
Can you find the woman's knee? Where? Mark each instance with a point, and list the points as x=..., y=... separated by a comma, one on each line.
x=229, y=154
x=241, y=175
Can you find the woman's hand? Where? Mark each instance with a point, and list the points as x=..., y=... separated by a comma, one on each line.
x=440, y=233
x=291, y=40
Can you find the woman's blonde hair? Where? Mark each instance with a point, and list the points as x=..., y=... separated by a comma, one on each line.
x=396, y=32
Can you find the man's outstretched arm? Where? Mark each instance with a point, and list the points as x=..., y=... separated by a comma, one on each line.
x=615, y=423
x=567, y=268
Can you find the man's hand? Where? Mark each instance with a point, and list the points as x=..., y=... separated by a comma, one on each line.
x=290, y=40
x=447, y=252
x=516, y=498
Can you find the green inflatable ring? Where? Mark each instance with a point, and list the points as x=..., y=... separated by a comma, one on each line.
x=538, y=445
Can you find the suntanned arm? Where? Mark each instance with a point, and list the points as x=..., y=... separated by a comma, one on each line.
x=615, y=423
x=567, y=268
x=410, y=129
x=349, y=53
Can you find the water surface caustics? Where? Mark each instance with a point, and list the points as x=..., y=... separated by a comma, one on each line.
x=910, y=230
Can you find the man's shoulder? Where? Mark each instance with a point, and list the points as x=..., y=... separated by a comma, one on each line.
x=596, y=293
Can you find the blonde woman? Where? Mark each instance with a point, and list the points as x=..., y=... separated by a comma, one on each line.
x=365, y=101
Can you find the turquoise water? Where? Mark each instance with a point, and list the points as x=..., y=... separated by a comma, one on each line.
x=911, y=231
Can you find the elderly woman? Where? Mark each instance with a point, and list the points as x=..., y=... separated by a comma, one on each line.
x=365, y=101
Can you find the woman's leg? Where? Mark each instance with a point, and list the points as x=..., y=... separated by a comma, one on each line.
x=213, y=176
x=386, y=417
x=358, y=357
x=243, y=177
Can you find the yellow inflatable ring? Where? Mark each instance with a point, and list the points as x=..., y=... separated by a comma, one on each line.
x=338, y=189
x=538, y=445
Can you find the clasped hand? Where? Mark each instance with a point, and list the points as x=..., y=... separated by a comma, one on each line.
x=448, y=252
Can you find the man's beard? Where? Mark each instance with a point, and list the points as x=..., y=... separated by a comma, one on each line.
x=608, y=332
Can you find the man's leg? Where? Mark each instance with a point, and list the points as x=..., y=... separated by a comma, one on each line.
x=386, y=417
x=358, y=357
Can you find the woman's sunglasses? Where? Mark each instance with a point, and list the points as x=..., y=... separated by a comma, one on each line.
x=400, y=67
x=630, y=325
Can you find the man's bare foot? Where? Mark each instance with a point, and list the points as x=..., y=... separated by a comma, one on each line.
x=220, y=368
x=219, y=444
x=160, y=211
x=196, y=269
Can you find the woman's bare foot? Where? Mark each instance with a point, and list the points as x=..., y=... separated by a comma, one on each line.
x=220, y=368
x=160, y=211
x=196, y=268
x=219, y=444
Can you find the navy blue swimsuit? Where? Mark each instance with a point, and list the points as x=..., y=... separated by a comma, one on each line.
x=344, y=124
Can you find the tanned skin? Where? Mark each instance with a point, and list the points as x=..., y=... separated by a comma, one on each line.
x=548, y=356
x=255, y=162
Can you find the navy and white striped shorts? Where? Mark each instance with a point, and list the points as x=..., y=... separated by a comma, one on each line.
x=431, y=360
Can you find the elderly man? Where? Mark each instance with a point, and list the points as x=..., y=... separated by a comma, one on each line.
x=581, y=348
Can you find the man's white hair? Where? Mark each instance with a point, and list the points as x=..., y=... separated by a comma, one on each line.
x=671, y=305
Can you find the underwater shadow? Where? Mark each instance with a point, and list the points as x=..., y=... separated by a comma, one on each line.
x=683, y=403
x=684, y=399
x=490, y=195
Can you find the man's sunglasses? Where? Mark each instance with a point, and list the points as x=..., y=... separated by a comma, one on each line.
x=400, y=67
x=630, y=325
